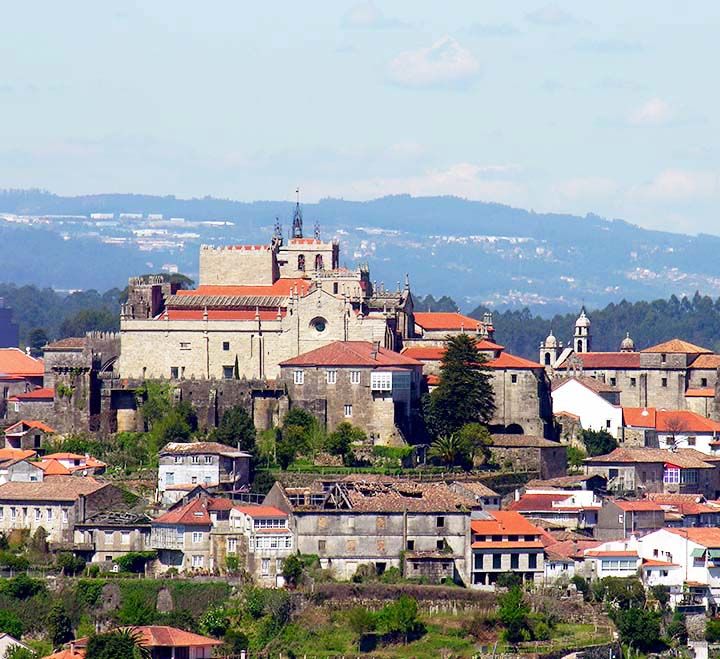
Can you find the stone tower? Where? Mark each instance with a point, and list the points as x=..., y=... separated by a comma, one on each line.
x=550, y=350
x=582, y=341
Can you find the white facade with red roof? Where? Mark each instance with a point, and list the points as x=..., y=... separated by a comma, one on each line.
x=570, y=509
x=596, y=403
x=19, y=374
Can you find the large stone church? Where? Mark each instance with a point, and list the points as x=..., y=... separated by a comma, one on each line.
x=255, y=307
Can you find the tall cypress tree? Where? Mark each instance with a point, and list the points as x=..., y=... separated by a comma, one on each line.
x=465, y=393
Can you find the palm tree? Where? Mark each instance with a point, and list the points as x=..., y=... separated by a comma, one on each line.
x=122, y=643
x=451, y=450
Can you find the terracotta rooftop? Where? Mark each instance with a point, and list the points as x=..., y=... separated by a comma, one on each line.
x=194, y=513
x=60, y=488
x=711, y=362
x=506, y=360
x=573, y=549
x=504, y=522
x=477, y=488
x=199, y=448
x=41, y=393
x=679, y=421
x=281, y=288
x=678, y=346
x=560, y=481
x=260, y=511
x=609, y=553
x=433, y=321
x=706, y=392
x=17, y=454
x=708, y=537
x=221, y=314
x=662, y=497
x=69, y=343
x=162, y=636
x=523, y=441
x=652, y=563
x=53, y=468
x=15, y=363
x=23, y=426
x=603, y=360
x=637, y=506
x=352, y=353
x=685, y=458
x=638, y=417
x=529, y=503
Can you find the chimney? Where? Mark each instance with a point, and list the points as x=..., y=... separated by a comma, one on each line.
x=375, y=349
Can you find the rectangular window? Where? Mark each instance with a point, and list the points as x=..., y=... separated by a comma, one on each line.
x=226, y=345
x=232, y=545
x=497, y=561
x=608, y=423
x=195, y=459
x=691, y=441
x=174, y=372
x=440, y=522
x=347, y=410
x=170, y=478
x=633, y=382
x=184, y=345
x=108, y=537
x=178, y=459
x=2, y=512
x=193, y=480
x=513, y=378
x=208, y=459
x=228, y=372
x=299, y=377
x=65, y=516
x=354, y=377
x=38, y=515
x=288, y=542
x=198, y=561
x=410, y=545
x=331, y=376
x=197, y=537
x=671, y=475
x=125, y=537
x=613, y=382
x=265, y=567
x=440, y=544
x=532, y=561
x=13, y=514
x=663, y=358
x=663, y=382
x=321, y=545
x=703, y=382
x=514, y=561
x=381, y=381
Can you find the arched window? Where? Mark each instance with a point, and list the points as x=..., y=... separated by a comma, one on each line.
x=301, y=262
x=579, y=346
x=318, y=262
x=547, y=359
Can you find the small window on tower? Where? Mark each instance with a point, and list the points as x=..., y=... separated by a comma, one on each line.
x=663, y=382
x=513, y=378
x=226, y=345
x=174, y=372
x=301, y=262
x=703, y=382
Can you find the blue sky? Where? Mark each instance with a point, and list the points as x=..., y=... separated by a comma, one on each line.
x=607, y=107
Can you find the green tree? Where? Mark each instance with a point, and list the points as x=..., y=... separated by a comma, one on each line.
x=298, y=416
x=638, y=628
x=361, y=621
x=575, y=457
x=235, y=641
x=712, y=630
x=341, y=440
x=19, y=652
x=69, y=564
x=676, y=630
x=479, y=439
x=598, y=442
x=10, y=623
x=37, y=338
x=214, y=622
x=118, y=644
x=513, y=613
x=59, y=628
x=400, y=617
x=620, y=592
x=22, y=587
x=465, y=392
x=451, y=450
x=236, y=429
x=292, y=571
x=285, y=453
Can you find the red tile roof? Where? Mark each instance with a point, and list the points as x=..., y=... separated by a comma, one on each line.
x=432, y=380
x=572, y=548
x=433, y=321
x=164, y=636
x=610, y=553
x=508, y=545
x=41, y=393
x=637, y=506
x=194, y=513
x=678, y=346
x=425, y=353
x=15, y=363
x=21, y=427
x=68, y=653
x=351, y=353
x=651, y=562
x=708, y=537
x=504, y=522
x=706, y=392
x=537, y=502
x=282, y=287
x=679, y=421
x=595, y=385
x=59, y=488
x=17, y=454
x=638, y=417
x=603, y=360
x=685, y=458
x=508, y=361
x=53, y=468
x=711, y=362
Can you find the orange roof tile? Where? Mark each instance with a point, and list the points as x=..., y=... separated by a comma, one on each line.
x=610, y=553
x=595, y=385
x=17, y=454
x=53, y=468
x=706, y=392
x=15, y=363
x=196, y=512
x=504, y=522
x=639, y=417
x=432, y=380
x=708, y=537
x=260, y=511
x=637, y=506
x=669, y=420
x=602, y=360
x=651, y=562
x=221, y=314
x=19, y=427
x=685, y=458
x=711, y=362
x=508, y=545
x=68, y=653
x=351, y=353
x=41, y=393
x=282, y=287
x=678, y=346
x=443, y=320
x=508, y=361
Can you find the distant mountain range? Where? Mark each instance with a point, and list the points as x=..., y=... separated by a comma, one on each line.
x=477, y=253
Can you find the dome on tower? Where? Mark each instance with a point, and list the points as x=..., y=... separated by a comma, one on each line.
x=627, y=345
x=583, y=320
x=551, y=341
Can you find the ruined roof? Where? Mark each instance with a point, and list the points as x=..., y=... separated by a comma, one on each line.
x=351, y=353
x=523, y=441
x=685, y=458
x=60, y=488
x=678, y=346
x=561, y=481
x=16, y=363
x=199, y=448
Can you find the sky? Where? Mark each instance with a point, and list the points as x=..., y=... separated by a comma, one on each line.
x=605, y=107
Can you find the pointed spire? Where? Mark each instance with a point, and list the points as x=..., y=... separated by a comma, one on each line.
x=407, y=281
x=317, y=230
x=297, y=223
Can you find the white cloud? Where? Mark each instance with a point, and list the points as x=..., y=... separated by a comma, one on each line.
x=466, y=180
x=656, y=111
x=445, y=63
x=367, y=16
x=551, y=15
x=679, y=185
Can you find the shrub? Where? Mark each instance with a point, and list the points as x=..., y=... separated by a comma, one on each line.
x=712, y=630
x=214, y=623
x=638, y=628
x=59, y=629
x=400, y=617
x=292, y=571
x=135, y=561
x=361, y=621
x=513, y=613
x=13, y=562
x=581, y=585
x=69, y=563
x=10, y=623
x=508, y=580
x=22, y=587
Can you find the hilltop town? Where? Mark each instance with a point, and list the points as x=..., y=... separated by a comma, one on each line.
x=290, y=425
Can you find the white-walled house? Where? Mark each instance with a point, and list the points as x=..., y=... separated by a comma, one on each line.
x=595, y=402
x=570, y=509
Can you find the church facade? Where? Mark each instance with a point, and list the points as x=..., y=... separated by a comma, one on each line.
x=255, y=307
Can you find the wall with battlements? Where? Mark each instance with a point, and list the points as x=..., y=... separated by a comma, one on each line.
x=240, y=265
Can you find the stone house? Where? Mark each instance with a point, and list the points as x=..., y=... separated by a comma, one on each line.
x=682, y=510
x=487, y=498
x=668, y=429
x=56, y=504
x=619, y=518
x=359, y=382
x=20, y=470
x=647, y=470
x=260, y=537
x=182, y=466
x=108, y=535
x=504, y=541
x=27, y=434
x=182, y=536
x=529, y=453
x=374, y=520
x=19, y=373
